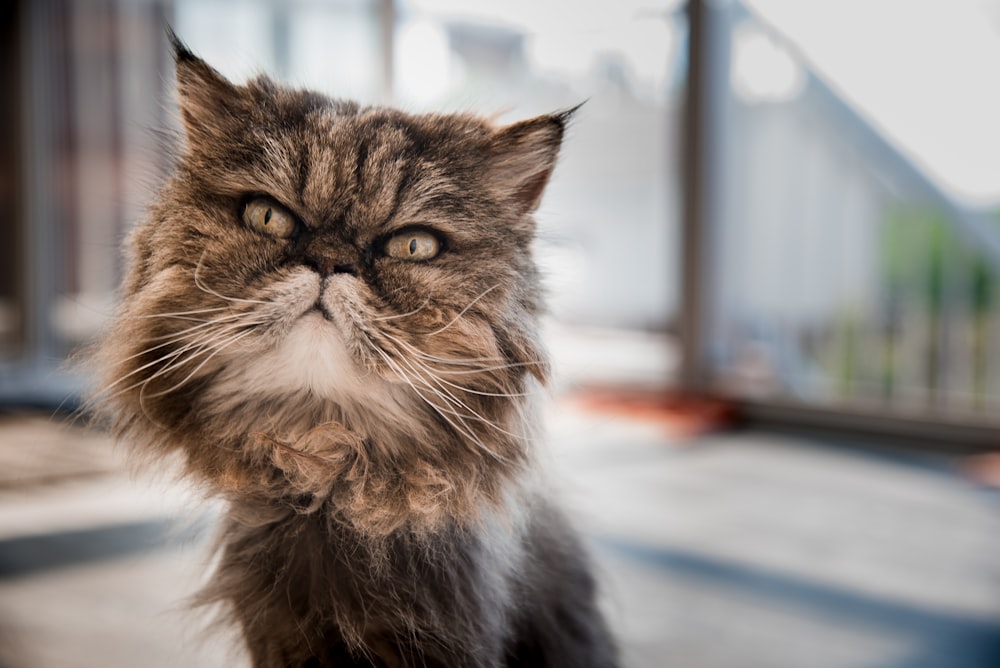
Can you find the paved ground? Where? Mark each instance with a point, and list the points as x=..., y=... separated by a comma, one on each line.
x=741, y=550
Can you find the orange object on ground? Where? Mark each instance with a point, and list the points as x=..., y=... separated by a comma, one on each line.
x=682, y=415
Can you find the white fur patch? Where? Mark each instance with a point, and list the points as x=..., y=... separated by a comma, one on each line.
x=314, y=354
x=306, y=355
x=311, y=356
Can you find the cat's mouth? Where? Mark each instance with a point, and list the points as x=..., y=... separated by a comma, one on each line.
x=319, y=308
x=308, y=295
x=316, y=335
x=321, y=335
x=338, y=303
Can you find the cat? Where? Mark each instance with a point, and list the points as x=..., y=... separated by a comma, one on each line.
x=330, y=318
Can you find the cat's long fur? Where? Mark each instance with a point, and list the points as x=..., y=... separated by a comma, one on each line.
x=368, y=419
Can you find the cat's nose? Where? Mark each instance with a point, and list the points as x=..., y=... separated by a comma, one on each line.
x=329, y=266
x=345, y=269
x=326, y=260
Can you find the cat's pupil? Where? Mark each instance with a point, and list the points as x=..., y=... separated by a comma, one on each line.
x=267, y=216
x=413, y=246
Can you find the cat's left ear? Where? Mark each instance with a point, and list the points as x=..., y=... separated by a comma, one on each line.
x=523, y=156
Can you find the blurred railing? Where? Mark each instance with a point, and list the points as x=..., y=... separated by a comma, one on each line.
x=840, y=278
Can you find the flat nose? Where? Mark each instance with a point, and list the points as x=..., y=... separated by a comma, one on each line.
x=328, y=259
x=328, y=266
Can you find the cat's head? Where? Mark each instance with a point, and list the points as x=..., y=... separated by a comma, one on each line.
x=310, y=252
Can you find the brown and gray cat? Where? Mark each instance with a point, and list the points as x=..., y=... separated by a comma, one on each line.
x=331, y=316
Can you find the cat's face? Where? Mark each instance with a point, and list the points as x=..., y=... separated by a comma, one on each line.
x=310, y=250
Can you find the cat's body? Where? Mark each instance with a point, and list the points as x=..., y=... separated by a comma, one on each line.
x=331, y=317
x=309, y=591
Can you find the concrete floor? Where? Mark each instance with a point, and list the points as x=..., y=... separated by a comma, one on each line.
x=739, y=550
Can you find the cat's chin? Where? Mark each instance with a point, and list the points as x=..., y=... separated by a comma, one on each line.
x=311, y=358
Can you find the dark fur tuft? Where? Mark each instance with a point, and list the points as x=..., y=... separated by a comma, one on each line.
x=180, y=49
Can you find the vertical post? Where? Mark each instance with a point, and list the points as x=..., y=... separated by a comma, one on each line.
x=704, y=125
x=42, y=24
x=387, y=32
x=281, y=34
x=12, y=302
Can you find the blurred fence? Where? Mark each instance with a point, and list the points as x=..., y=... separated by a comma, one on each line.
x=840, y=276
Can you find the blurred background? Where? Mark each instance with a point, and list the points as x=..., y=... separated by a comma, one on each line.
x=772, y=249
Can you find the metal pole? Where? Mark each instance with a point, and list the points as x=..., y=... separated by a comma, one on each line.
x=387, y=31
x=44, y=263
x=696, y=188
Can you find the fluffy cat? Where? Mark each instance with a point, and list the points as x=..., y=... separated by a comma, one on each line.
x=330, y=316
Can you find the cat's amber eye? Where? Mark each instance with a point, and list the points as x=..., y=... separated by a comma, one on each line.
x=264, y=215
x=413, y=245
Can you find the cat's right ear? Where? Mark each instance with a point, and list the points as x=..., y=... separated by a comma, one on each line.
x=210, y=105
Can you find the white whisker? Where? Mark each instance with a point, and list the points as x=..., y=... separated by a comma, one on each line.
x=428, y=376
x=177, y=357
x=203, y=288
x=175, y=314
x=471, y=362
x=216, y=348
x=462, y=429
x=404, y=315
x=465, y=310
x=237, y=318
x=176, y=337
x=498, y=367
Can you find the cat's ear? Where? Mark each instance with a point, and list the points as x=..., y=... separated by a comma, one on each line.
x=523, y=155
x=210, y=105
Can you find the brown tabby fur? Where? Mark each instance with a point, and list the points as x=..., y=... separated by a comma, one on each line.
x=368, y=419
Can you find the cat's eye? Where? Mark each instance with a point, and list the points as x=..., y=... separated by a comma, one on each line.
x=264, y=215
x=413, y=245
